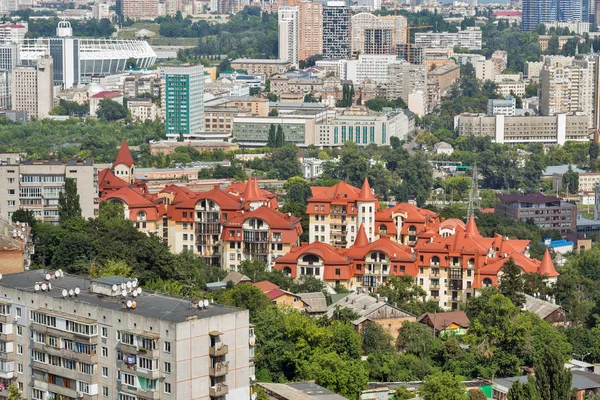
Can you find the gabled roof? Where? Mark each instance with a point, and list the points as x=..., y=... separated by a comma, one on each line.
x=540, y=307
x=315, y=302
x=440, y=321
x=341, y=191
x=265, y=286
x=137, y=201
x=365, y=305
x=325, y=251
x=277, y=293
x=275, y=219
x=124, y=156
x=108, y=180
x=236, y=278
x=106, y=94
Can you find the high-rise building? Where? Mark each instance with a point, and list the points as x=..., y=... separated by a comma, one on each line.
x=288, y=35
x=183, y=99
x=337, y=30
x=537, y=12
x=101, y=10
x=33, y=89
x=10, y=55
x=5, y=90
x=403, y=79
x=310, y=28
x=469, y=38
x=372, y=34
x=67, y=336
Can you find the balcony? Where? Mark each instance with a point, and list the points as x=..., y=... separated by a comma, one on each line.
x=434, y=286
x=139, y=392
x=218, y=390
x=63, y=334
x=7, y=337
x=6, y=318
x=133, y=349
x=55, y=351
x=71, y=393
x=219, y=369
x=218, y=350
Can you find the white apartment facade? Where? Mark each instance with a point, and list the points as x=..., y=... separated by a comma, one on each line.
x=33, y=89
x=469, y=38
x=288, y=34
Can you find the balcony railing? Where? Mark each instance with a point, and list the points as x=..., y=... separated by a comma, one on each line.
x=218, y=390
x=218, y=350
x=219, y=369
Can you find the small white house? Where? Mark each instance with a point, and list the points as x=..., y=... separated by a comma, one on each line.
x=443, y=148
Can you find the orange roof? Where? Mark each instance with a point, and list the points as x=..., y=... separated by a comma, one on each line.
x=252, y=191
x=266, y=286
x=471, y=228
x=365, y=192
x=361, y=237
x=107, y=180
x=326, y=252
x=124, y=156
x=137, y=201
x=546, y=266
x=341, y=191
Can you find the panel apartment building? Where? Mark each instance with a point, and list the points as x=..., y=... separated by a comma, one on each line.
x=547, y=212
x=35, y=185
x=107, y=339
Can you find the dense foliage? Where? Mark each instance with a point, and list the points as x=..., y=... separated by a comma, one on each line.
x=89, y=28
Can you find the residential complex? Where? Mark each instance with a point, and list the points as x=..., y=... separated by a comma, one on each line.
x=32, y=89
x=337, y=31
x=35, y=185
x=310, y=29
x=289, y=35
x=547, y=212
x=261, y=66
x=525, y=129
x=372, y=34
x=138, y=9
x=183, y=100
x=75, y=337
x=403, y=79
x=504, y=107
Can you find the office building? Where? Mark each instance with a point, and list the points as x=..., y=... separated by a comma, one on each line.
x=501, y=107
x=547, y=12
x=546, y=212
x=35, y=185
x=81, y=338
x=369, y=67
x=548, y=130
x=32, y=88
x=469, y=39
x=76, y=60
x=230, y=6
x=10, y=55
x=372, y=34
x=183, y=99
x=403, y=79
x=288, y=35
x=13, y=33
x=310, y=28
x=337, y=31
x=468, y=58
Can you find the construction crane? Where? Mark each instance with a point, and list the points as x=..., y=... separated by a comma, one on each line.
x=408, y=29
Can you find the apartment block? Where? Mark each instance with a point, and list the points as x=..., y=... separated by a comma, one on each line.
x=80, y=338
x=547, y=212
x=261, y=66
x=36, y=185
x=525, y=129
x=143, y=109
x=501, y=107
x=469, y=39
x=310, y=28
x=403, y=79
x=369, y=67
x=372, y=34
x=138, y=10
x=288, y=34
x=32, y=88
x=337, y=31
x=183, y=99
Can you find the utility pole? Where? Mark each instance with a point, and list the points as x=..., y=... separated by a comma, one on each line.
x=474, y=201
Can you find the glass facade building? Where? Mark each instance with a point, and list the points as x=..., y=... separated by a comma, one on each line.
x=183, y=100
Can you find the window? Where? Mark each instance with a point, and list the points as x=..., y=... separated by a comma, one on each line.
x=104, y=352
x=104, y=332
x=104, y=391
x=337, y=271
x=83, y=387
x=19, y=349
x=128, y=379
x=167, y=347
x=19, y=312
x=38, y=356
x=127, y=338
x=167, y=367
x=105, y=372
x=20, y=368
x=167, y=388
x=52, y=341
x=37, y=394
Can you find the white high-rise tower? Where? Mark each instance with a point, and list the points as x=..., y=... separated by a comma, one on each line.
x=288, y=35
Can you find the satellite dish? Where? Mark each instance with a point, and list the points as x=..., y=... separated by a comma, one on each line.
x=48, y=277
x=134, y=283
x=37, y=287
x=65, y=293
x=124, y=293
x=205, y=303
x=44, y=287
x=77, y=291
x=114, y=288
x=134, y=294
x=128, y=285
x=71, y=292
x=62, y=273
x=129, y=303
x=0, y=276
x=139, y=290
x=123, y=286
x=133, y=304
x=49, y=286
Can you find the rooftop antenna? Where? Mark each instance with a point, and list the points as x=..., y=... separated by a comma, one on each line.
x=474, y=201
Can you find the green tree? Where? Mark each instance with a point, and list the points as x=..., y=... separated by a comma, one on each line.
x=594, y=151
x=245, y=296
x=310, y=98
x=375, y=339
x=416, y=338
x=443, y=386
x=24, y=215
x=552, y=379
x=68, y=201
x=297, y=190
x=272, y=140
x=523, y=391
x=13, y=392
x=553, y=45
x=570, y=181
x=273, y=112
x=511, y=283
x=284, y=162
x=110, y=268
x=109, y=110
x=477, y=394
x=403, y=393
x=280, y=137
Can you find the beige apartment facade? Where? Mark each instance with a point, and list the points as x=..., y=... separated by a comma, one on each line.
x=267, y=67
x=33, y=88
x=92, y=339
x=310, y=29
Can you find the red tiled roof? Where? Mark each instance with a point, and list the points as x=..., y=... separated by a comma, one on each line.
x=361, y=237
x=546, y=266
x=341, y=191
x=137, y=201
x=107, y=180
x=276, y=293
x=440, y=321
x=252, y=191
x=266, y=286
x=365, y=192
x=106, y=94
x=471, y=228
x=124, y=156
